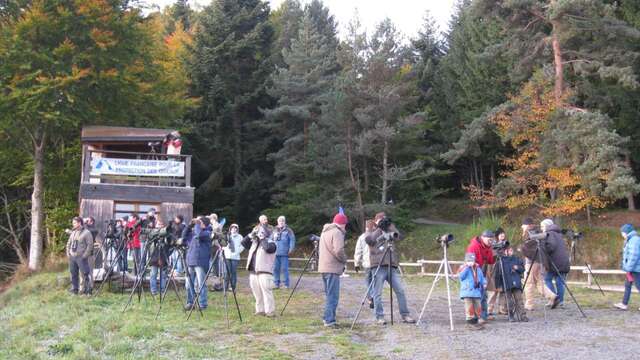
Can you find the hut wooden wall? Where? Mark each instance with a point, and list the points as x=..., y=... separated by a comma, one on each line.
x=169, y=210
x=101, y=210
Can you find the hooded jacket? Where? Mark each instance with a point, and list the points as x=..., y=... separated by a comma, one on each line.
x=513, y=270
x=484, y=253
x=469, y=287
x=80, y=244
x=285, y=240
x=376, y=242
x=631, y=253
x=555, y=250
x=198, y=242
x=332, y=257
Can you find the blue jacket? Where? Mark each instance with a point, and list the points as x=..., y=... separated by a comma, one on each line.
x=285, y=241
x=511, y=277
x=468, y=289
x=631, y=253
x=198, y=245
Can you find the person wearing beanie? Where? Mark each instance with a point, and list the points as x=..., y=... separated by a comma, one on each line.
x=331, y=262
x=630, y=263
x=388, y=268
x=472, y=288
x=545, y=224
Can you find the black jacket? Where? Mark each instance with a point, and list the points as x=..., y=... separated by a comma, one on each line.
x=555, y=250
x=512, y=278
x=377, y=247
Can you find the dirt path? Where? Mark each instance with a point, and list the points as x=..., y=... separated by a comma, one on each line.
x=564, y=334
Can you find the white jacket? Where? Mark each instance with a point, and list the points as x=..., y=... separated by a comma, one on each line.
x=237, y=243
x=361, y=255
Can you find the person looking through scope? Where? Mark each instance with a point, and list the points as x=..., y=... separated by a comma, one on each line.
x=197, y=237
x=387, y=267
x=534, y=269
x=481, y=247
x=159, y=258
x=556, y=260
x=508, y=280
x=331, y=262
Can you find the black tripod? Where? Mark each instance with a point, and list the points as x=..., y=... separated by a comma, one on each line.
x=538, y=256
x=226, y=279
x=508, y=296
x=304, y=270
x=172, y=280
x=137, y=286
x=576, y=249
x=110, y=249
x=388, y=251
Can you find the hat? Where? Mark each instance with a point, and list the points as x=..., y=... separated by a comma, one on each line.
x=546, y=223
x=527, y=221
x=488, y=233
x=205, y=221
x=234, y=226
x=340, y=219
x=469, y=257
x=626, y=228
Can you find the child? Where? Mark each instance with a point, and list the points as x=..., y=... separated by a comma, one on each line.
x=511, y=283
x=472, y=285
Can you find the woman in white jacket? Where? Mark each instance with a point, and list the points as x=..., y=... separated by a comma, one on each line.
x=232, y=254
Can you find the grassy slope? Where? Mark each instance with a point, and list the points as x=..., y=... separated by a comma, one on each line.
x=40, y=320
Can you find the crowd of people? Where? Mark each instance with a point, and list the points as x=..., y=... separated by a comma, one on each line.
x=493, y=280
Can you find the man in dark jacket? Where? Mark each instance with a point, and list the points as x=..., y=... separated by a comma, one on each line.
x=377, y=240
x=197, y=236
x=510, y=282
x=78, y=250
x=555, y=260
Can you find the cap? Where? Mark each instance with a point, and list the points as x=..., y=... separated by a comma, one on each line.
x=546, y=222
x=626, y=228
x=469, y=257
x=488, y=233
x=340, y=219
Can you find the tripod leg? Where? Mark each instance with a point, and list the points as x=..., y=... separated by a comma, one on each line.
x=504, y=288
x=197, y=295
x=390, y=285
x=446, y=279
x=107, y=275
x=531, y=267
x=594, y=278
x=313, y=253
x=163, y=294
x=433, y=285
x=364, y=299
x=564, y=283
x=233, y=289
x=136, y=286
x=188, y=281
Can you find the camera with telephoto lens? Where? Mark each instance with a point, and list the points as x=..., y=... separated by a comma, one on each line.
x=536, y=235
x=573, y=235
x=499, y=246
x=445, y=239
x=314, y=238
x=385, y=223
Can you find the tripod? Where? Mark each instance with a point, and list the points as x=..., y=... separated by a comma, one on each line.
x=226, y=279
x=538, y=255
x=576, y=249
x=388, y=251
x=170, y=281
x=508, y=299
x=446, y=268
x=137, y=286
x=304, y=270
x=119, y=255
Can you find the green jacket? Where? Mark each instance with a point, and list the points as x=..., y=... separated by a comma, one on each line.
x=80, y=244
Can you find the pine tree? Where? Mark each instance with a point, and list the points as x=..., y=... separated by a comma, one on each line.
x=230, y=66
x=286, y=21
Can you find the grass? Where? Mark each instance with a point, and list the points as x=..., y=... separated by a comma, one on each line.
x=41, y=320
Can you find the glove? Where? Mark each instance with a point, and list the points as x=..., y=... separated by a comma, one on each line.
x=357, y=269
x=179, y=241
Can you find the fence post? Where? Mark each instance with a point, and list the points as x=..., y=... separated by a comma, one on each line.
x=423, y=267
x=589, y=277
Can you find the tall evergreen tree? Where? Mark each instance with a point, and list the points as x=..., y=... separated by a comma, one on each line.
x=230, y=66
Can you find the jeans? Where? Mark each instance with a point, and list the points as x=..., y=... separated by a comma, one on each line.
x=196, y=274
x=123, y=263
x=176, y=262
x=281, y=265
x=368, y=279
x=560, y=279
x=232, y=269
x=332, y=296
x=153, y=279
x=627, y=287
x=397, y=286
x=77, y=265
x=484, y=306
x=136, y=260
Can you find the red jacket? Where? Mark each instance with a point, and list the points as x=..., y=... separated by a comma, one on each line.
x=484, y=254
x=135, y=242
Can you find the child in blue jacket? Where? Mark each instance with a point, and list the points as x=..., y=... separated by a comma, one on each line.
x=472, y=285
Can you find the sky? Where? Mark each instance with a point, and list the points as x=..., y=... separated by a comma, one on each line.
x=407, y=15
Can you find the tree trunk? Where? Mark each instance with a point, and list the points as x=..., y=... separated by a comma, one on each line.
x=385, y=172
x=365, y=170
x=493, y=176
x=475, y=173
x=557, y=61
x=481, y=178
x=354, y=183
x=36, y=248
x=631, y=201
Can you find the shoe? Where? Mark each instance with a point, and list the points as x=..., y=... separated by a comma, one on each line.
x=270, y=315
x=332, y=324
x=529, y=308
x=381, y=321
x=556, y=302
x=286, y=287
x=408, y=319
x=491, y=317
x=524, y=318
x=482, y=321
x=188, y=307
x=259, y=313
x=154, y=294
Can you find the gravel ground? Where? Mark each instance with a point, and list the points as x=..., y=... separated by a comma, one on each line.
x=565, y=334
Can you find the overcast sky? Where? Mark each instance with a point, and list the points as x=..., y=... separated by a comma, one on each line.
x=406, y=14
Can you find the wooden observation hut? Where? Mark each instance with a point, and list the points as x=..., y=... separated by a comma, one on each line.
x=127, y=170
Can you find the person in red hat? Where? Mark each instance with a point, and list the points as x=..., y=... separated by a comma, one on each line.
x=331, y=262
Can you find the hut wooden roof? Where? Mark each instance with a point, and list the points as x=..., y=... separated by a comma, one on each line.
x=122, y=134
